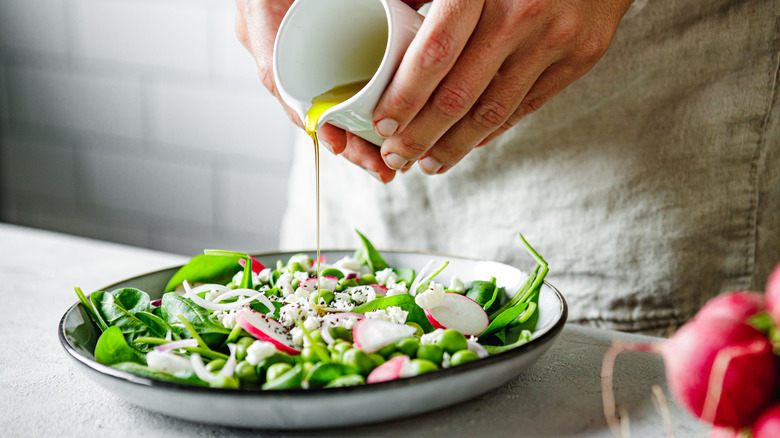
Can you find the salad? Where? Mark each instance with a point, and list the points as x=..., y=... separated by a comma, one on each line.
x=227, y=321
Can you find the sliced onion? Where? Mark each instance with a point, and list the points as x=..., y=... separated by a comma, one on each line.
x=177, y=344
x=418, y=279
x=209, y=288
x=167, y=362
x=206, y=304
x=155, y=303
x=200, y=368
x=330, y=321
x=477, y=348
x=351, y=275
x=230, y=366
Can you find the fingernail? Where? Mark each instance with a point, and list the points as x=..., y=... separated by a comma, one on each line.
x=395, y=161
x=375, y=175
x=430, y=165
x=327, y=146
x=386, y=127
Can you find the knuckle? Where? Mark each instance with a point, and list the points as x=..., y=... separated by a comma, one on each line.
x=438, y=49
x=490, y=114
x=526, y=10
x=405, y=102
x=528, y=106
x=266, y=74
x=452, y=101
x=592, y=50
x=565, y=30
x=410, y=148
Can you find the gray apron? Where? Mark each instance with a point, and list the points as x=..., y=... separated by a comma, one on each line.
x=650, y=185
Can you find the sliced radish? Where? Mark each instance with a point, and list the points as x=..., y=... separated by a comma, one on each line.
x=459, y=312
x=327, y=282
x=393, y=369
x=314, y=261
x=256, y=265
x=267, y=329
x=370, y=335
x=379, y=289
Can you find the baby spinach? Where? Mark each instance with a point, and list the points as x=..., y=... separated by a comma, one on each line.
x=187, y=377
x=112, y=348
x=132, y=300
x=368, y=255
x=206, y=269
x=173, y=305
x=113, y=314
x=405, y=302
x=523, y=338
x=90, y=308
x=485, y=293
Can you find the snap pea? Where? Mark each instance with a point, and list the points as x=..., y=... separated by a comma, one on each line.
x=246, y=373
x=358, y=359
x=224, y=382
x=462, y=356
x=276, y=370
x=421, y=366
x=263, y=365
x=332, y=272
x=291, y=379
x=215, y=365
x=315, y=353
x=323, y=373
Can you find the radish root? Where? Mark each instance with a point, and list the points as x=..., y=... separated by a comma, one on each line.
x=662, y=406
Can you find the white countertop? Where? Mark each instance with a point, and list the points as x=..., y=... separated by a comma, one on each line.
x=44, y=393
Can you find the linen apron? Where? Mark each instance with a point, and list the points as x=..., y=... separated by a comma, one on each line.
x=649, y=185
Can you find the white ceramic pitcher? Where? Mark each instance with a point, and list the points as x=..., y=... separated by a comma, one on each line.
x=325, y=43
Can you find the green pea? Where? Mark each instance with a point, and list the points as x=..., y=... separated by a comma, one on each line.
x=344, y=283
x=296, y=267
x=338, y=350
x=224, y=382
x=348, y=380
x=376, y=359
x=215, y=365
x=263, y=365
x=433, y=353
x=358, y=359
x=316, y=338
x=339, y=332
x=318, y=296
x=276, y=370
x=421, y=366
x=246, y=373
x=451, y=341
x=462, y=356
x=292, y=378
x=323, y=373
x=417, y=327
x=387, y=350
x=314, y=353
x=332, y=272
x=407, y=346
x=241, y=345
x=367, y=279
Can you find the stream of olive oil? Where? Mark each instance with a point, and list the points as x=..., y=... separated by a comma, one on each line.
x=319, y=105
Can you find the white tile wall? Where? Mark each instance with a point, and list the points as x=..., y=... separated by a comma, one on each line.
x=138, y=121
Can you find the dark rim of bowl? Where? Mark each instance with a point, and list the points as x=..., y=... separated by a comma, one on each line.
x=533, y=344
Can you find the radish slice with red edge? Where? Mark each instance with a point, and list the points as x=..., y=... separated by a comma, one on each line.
x=370, y=335
x=267, y=329
x=459, y=312
x=256, y=267
x=330, y=321
x=395, y=368
x=379, y=289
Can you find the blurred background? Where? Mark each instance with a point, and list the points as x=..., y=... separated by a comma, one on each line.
x=140, y=122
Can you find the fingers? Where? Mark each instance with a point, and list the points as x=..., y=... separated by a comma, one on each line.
x=366, y=155
x=431, y=55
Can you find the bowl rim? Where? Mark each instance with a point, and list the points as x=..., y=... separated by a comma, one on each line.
x=131, y=378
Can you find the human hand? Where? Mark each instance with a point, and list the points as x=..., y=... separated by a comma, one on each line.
x=477, y=67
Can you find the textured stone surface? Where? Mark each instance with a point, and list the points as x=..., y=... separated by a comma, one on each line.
x=45, y=394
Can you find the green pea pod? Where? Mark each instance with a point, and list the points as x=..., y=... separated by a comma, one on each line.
x=292, y=379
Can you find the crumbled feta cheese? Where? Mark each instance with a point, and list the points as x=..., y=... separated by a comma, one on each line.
x=386, y=277
x=445, y=360
x=347, y=323
x=284, y=284
x=228, y=317
x=457, y=285
x=258, y=351
x=430, y=297
x=397, y=289
x=362, y=294
x=301, y=276
x=343, y=305
x=312, y=323
x=348, y=263
x=342, y=296
x=393, y=314
x=301, y=259
x=265, y=275
x=430, y=338
x=297, y=336
x=289, y=314
x=302, y=294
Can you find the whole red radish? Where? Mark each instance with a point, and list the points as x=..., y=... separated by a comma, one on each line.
x=768, y=424
x=722, y=432
x=772, y=295
x=721, y=369
x=739, y=305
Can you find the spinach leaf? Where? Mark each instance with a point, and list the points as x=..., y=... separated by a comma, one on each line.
x=206, y=269
x=505, y=318
x=524, y=337
x=405, y=274
x=187, y=377
x=172, y=305
x=368, y=255
x=157, y=326
x=405, y=302
x=113, y=314
x=91, y=311
x=112, y=348
x=133, y=300
x=485, y=293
